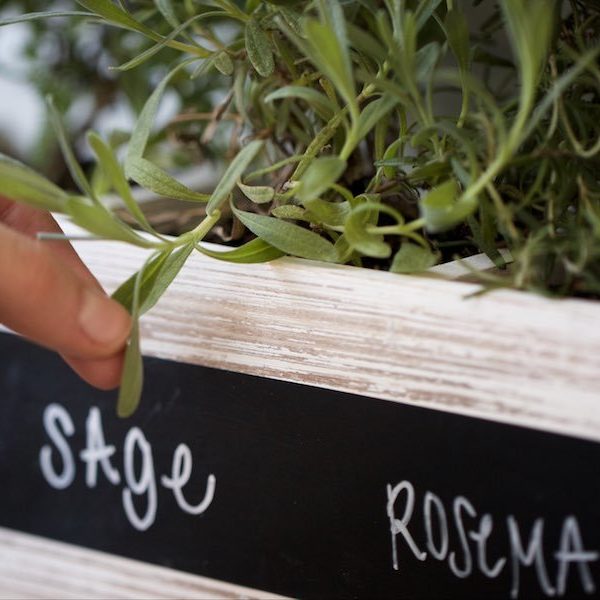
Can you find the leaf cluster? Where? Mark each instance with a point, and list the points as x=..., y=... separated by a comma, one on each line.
x=385, y=133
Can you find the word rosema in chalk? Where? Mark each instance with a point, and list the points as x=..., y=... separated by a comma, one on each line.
x=462, y=563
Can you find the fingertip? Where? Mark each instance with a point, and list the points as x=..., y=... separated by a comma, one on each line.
x=104, y=374
x=105, y=322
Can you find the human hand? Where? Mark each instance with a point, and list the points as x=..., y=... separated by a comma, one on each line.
x=49, y=296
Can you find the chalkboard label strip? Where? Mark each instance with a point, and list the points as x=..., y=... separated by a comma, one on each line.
x=302, y=491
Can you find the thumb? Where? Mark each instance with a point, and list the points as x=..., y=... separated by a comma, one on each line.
x=44, y=300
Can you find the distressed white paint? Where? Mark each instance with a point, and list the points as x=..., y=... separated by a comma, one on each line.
x=505, y=356
x=33, y=567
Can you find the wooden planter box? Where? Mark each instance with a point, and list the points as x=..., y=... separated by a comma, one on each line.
x=351, y=433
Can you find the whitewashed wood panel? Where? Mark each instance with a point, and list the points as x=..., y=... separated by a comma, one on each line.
x=34, y=567
x=506, y=356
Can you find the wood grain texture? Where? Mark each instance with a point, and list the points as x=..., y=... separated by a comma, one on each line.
x=506, y=356
x=33, y=567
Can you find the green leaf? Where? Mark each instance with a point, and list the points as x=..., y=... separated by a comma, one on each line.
x=288, y=237
x=290, y=211
x=113, y=171
x=322, y=173
x=530, y=27
x=344, y=249
x=412, y=258
x=373, y=113
x=125, y=292
x=425, y=60
x=34, y=16
x=167, y=10
x=154, y=49
x=111, y=12
x=259, y=49
x=366, y=43
x=259, y=194
x=158, y=274
x=424, y=12
x=143, y=127
x=224, y=63
x=457, y=33
x=429, y=172
x=254, y=251
x=165, y=275
x=332, y=58
x=76, y=172
x=20, y=183
x=233, y=174
x=311, y=96
x=97, y=220
x=357, y=235
x=560, y=85
x=333, y=214
x=132, y=379
x=117, y=16
x=442, y=209
x=151, y=177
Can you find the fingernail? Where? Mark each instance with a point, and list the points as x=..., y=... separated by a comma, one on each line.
x=103, y=320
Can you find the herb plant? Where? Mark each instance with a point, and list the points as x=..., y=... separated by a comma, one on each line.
x=385, y=133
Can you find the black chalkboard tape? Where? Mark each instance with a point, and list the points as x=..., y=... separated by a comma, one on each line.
x=296, y=490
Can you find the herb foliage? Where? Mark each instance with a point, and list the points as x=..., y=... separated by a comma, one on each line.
x=384, y=133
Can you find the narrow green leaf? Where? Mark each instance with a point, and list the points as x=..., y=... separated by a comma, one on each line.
x=412, y=258
x=373, y=113
x=125, y=292
x=332, y=59
x=311, y=96
x=426, y=59
x=530, y=26
x=366, y=43
x=113, y=171
x=111, y=12
x=259, y=194
x=254, y=251
x=424, y=12
x=158, y=274
x=132, y=379
x=322, y=173
x=457, y=33
x=35, y=16
x=143, y=127
x=259, y=48
x=97, y=220
x=288, y=237
x=76, y=172
x=20, y=183
x=153, y=178
x=167, y=10
x=233, y=174
x=165, y=276
x=155, y=48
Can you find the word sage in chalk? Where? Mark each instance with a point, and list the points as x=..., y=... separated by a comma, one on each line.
x=471, y=550
x=97, y=453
